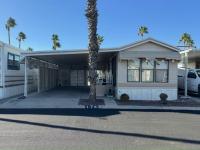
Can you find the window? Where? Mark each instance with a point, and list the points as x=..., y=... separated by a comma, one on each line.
x=161, y=71
x=192, y=75
x=142, y=70
x=147, y=70
x=134, y=70
x=13, y=62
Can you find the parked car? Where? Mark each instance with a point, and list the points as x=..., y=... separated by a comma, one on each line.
x=193, y=80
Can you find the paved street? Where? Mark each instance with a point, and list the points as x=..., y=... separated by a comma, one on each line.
x=60, y=129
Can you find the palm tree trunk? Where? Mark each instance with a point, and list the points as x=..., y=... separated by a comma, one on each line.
x=9, y=36
x=54, y=45
x=92, y=15
x=19, y=44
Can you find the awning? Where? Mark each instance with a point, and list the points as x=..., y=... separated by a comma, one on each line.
x=128, y=55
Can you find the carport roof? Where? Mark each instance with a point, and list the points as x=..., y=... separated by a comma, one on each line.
x=70, y=57
x=193, y=54
x=80, y=56
x=66, y=52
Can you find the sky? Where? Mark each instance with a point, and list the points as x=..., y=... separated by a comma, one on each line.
x=118, y=21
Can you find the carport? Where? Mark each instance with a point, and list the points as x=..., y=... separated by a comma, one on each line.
x=45, y=70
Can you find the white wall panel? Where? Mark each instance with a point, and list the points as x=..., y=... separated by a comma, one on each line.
x=13, y=91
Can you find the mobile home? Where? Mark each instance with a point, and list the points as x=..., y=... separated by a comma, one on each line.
x=12, y=72
x=143, y=70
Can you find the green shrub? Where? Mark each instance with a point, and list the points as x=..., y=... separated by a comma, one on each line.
x=124, y=97
x=163, y=98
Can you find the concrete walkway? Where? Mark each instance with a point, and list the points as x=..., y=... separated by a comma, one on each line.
x=68, y=98
x=57, y=98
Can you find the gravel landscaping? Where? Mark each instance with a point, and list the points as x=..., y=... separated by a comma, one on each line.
x=177, y=103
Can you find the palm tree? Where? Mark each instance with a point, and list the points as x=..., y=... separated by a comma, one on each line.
x=187, y=40
x=142, y=30
x=93, y=46
x=29, y=49
x=56, y=43
x=100, y=39
x=21, y=37
x=10, y=24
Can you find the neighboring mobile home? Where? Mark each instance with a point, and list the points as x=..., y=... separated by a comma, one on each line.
x=143, y=70
x=12, y=74
x=190, y=59
x=193, y=58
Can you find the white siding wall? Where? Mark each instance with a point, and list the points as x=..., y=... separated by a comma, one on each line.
x=32, y=80
x=13, y=80
x=48, y=78
x=146, y=91
x=1, y=64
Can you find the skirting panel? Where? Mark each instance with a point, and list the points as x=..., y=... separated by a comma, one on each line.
x=141, y=93
x=11, y=91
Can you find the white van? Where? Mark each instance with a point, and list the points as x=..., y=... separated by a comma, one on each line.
x=193, y=80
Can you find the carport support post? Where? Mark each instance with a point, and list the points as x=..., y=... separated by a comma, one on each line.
x=186, y=73
x=38, y=81
x=25, y=77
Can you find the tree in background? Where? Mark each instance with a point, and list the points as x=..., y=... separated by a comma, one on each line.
x=186, y=39
x=29, y=49
x=142, y=31
x=100, y=39
x=56, y=41
x=21, y=37
x=10, y=24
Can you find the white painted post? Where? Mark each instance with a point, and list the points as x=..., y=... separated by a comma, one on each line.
x=186, y=73
x=3, y=70
x=25, y=77
x=45, y=77
x=111, y=75
x=38, y=81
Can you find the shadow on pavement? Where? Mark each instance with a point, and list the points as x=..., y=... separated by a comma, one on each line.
x=86, y=113
x=61, y=112
x=96, y=131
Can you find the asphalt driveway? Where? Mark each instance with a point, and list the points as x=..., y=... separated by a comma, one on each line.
x=39, y=129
